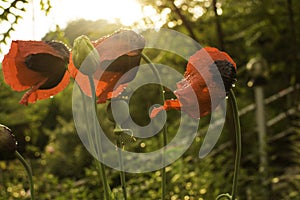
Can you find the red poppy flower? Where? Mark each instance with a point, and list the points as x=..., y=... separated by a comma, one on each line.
x=202, y=61
x=38, y=66
x=118, y=53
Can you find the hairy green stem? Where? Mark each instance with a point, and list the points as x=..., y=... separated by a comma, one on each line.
x=100, y=166
x=165, y=128
x=118, y=131
x=122, y=177
x=238, y=139
x=29, y=173
x=90, y=139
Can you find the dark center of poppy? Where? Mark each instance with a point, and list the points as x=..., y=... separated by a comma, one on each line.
x=61, y=48
x=228, y=73
x=122, y=64
x=49, y=66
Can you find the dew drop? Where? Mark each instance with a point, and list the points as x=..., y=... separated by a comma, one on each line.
x=133, y=138
x=142, y=145
x=27, y=138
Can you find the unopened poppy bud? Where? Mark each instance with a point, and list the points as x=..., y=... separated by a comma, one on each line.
x=85, y=56
x=7, y=141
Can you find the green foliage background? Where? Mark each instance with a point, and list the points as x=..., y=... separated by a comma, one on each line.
x=63, y=169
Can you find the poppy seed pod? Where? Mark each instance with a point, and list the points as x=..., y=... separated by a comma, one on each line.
x=7, y=142
x=118, y=111
x=85, y=56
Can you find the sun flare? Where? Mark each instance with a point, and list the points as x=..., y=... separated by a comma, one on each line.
x=35, y=24
x=127, y=11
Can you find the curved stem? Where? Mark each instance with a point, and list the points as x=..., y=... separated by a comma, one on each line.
x=156, y=73
x=29, y=173
x=238, y=138
x=100, y=166
x=227, y=196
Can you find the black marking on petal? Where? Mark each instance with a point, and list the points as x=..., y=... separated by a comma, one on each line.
x=61, y=48
x=228, y=73
x=49, y=66
x=123, y=64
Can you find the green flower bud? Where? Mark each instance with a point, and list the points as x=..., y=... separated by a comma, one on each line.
x=8, y=144
x=121, y=111
x=85, y=56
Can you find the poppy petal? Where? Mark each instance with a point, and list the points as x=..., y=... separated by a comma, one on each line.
x=106, y=85
x=117, y=91
x=168, y=105
x=194, y=83
x=34, y=88
x=45, y=94
x=15, y=72
x=120, y=43
x=118, y=53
